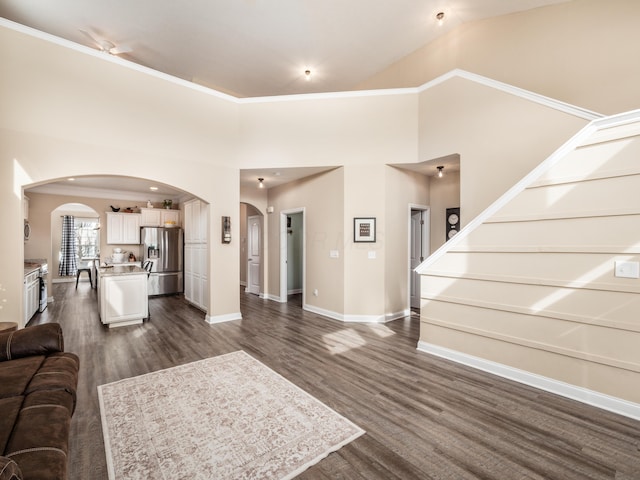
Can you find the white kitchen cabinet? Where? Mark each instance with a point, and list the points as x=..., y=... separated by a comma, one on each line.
x=156, y=217
x=195, y=274
x=122, y=295
x=31, y=295
x=149, y=217
x=196, y=248
x=195, y=222
x=123, y=228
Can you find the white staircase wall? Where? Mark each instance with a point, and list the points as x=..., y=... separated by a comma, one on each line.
x=529, y=290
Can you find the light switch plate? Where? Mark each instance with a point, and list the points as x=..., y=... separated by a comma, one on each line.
x=372, y=254
x=334, y=253
x=625, y=269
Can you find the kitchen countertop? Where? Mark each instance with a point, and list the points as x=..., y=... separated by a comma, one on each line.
x=30, y=268
x=121, y=270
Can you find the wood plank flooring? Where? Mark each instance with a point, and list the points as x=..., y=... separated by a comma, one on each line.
x=425, y=417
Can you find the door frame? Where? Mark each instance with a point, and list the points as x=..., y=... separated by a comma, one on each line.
x=284, y=253
x=426, y=243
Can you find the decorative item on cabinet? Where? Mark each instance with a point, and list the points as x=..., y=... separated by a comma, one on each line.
x=226, y=229
x=167, y=203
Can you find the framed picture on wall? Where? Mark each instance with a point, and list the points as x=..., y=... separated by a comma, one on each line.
x=364, y=230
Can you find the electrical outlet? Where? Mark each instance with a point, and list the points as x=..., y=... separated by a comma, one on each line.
x=624, y=269
x=315, y=292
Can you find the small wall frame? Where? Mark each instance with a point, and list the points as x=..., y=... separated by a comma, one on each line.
x=364, y=230
x=226, y=229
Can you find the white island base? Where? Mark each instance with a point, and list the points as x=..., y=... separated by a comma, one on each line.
x=122, y=295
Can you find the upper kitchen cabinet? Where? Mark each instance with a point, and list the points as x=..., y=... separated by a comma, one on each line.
x=195, y=222
x=159, y=217
x=123, y=228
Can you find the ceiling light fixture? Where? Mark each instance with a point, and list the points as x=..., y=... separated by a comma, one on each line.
x=307, y=75
x=153, y=188
x=440, y=171
x=260, y=184
x=440, y=18
x=71, y=179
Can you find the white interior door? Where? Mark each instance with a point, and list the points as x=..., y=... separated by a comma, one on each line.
x=418, y=250
x=254, y=240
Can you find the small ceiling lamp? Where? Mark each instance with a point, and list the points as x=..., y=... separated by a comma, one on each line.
x=440, y=18
x=260, y=184
x=307, y=75
x=440, y=171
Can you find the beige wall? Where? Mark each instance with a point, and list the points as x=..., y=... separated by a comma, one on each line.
x=578, y=52
x=322, y=198
x=443, y=193
x=403, y=189
x=533, y=287
x=72, y=113
x=499, y=137
x=68, y=113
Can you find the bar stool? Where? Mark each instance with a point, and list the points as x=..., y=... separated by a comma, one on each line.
x=84, y=269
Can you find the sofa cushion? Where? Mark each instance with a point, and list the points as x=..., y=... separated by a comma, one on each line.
x=16, y=375
x=37, y=340
x=59, y=371
x=10, y=407
x=9, y=470
x=40, y=441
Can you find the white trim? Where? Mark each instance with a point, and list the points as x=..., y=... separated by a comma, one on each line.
x=284, y=249
x=347, y=318
x=426, y=242
x=243, y=284
x=323, y=312
x=512, y=90
x=275, y=298
x=584, y=395
x=294, y=291
x=574, y=142
x=263, y=296
x=228, y=317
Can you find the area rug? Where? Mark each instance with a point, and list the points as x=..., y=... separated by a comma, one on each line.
x=226, y=417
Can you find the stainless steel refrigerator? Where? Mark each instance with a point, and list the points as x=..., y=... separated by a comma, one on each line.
x=162, y=248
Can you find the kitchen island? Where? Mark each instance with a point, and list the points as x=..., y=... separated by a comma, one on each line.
x=122, y=295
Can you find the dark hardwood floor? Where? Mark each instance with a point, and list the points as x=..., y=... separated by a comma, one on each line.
x=425, y=417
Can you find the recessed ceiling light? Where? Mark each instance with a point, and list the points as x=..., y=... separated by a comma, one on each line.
x=307, y=74
x=153, y=188
x=71, y=179
x=440, y=18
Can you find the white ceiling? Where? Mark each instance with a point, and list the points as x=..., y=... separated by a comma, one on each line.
x=252, y=48
x=255, y=48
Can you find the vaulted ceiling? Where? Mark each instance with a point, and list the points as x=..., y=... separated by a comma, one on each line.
x=250, y=48
x=254, y=48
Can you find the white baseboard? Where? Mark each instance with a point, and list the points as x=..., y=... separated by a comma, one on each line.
x=347, y=318
x=223, y=318
x=294, y=291
x=274, y=298
x=243, y=283
x=584, y=395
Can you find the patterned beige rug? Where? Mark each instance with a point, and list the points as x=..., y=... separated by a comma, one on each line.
x=226, y=417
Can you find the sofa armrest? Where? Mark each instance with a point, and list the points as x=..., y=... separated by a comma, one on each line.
x=37, y=340
x=9, y=469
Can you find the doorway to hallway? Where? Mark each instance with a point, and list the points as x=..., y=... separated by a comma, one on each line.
x=292, y=255
x=418, y=250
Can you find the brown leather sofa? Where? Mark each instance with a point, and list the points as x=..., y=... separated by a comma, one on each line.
x=38, y=383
